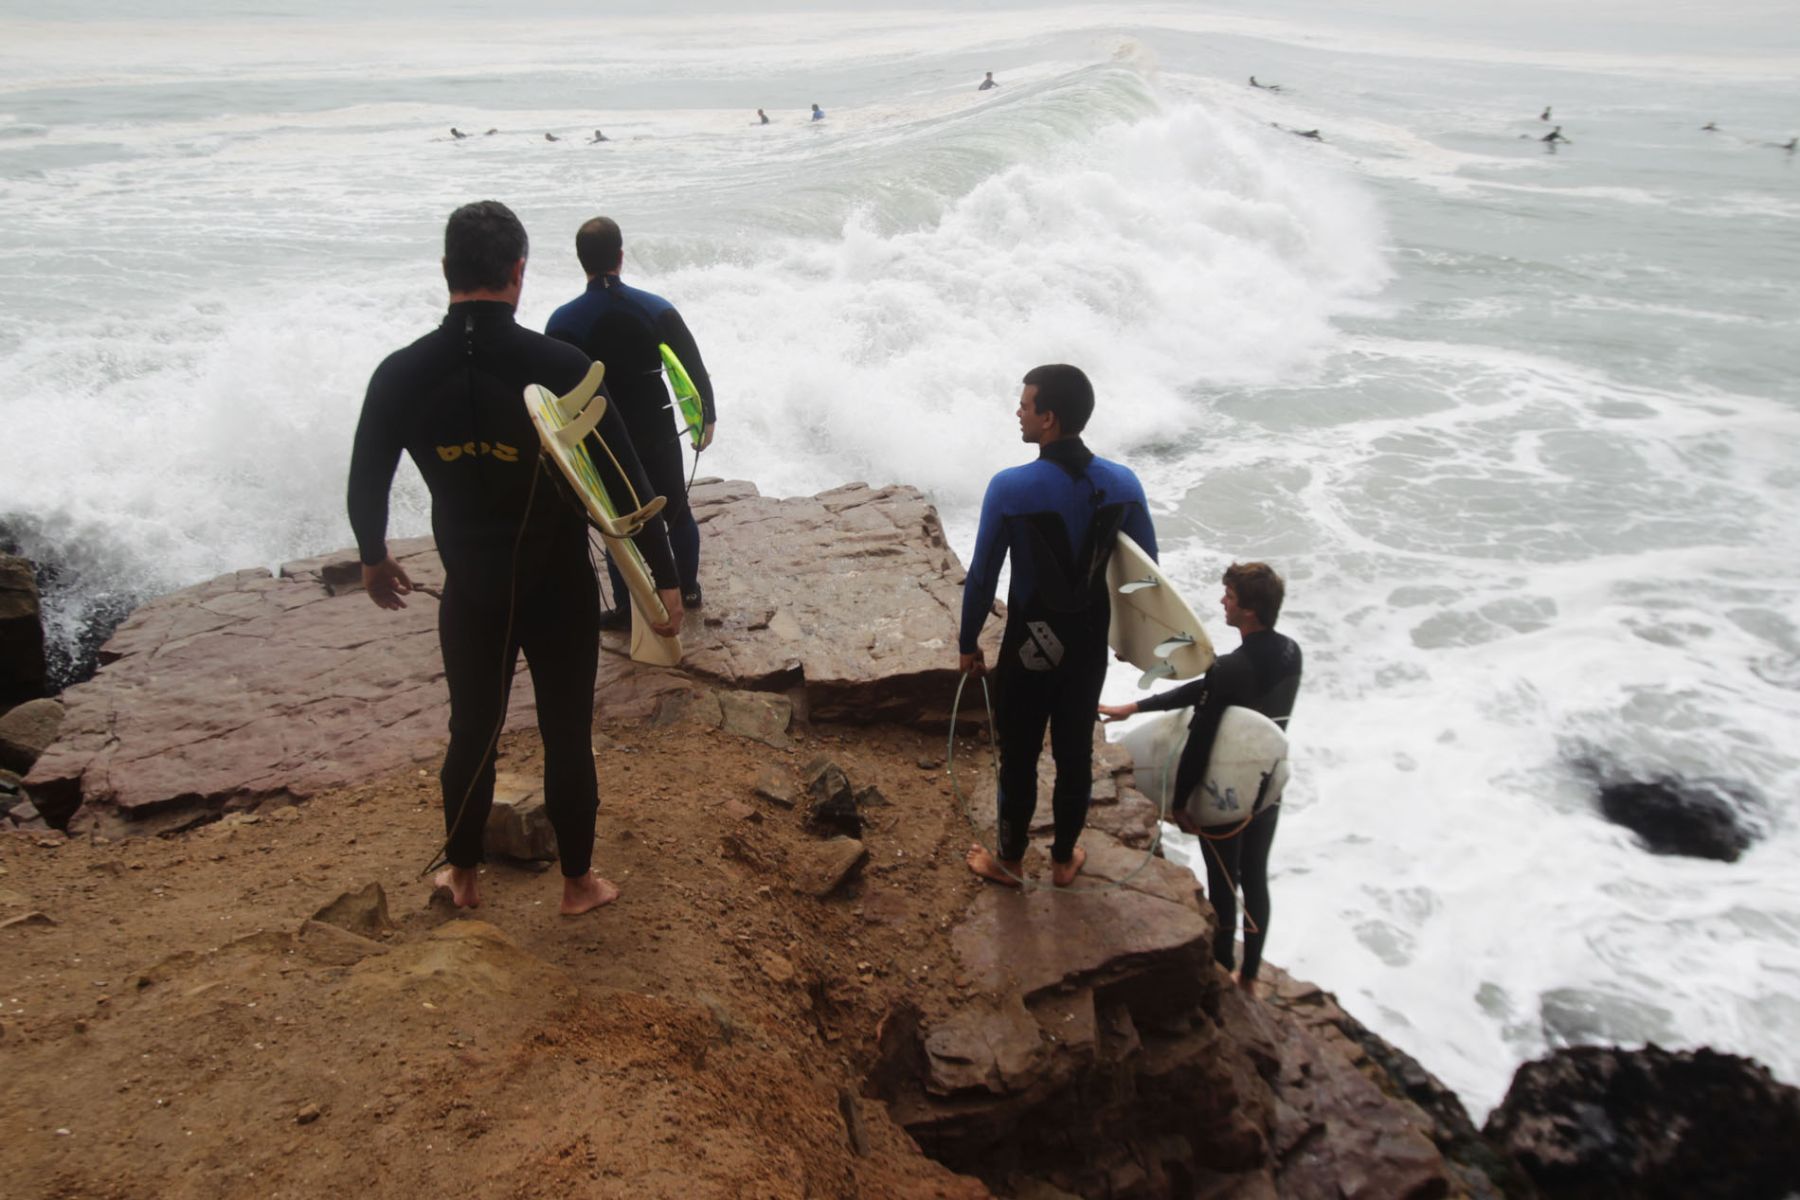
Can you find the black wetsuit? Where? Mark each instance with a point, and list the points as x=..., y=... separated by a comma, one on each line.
x=1059, y=517
x=515, y=550
x=623, y=327
x=1262, y=674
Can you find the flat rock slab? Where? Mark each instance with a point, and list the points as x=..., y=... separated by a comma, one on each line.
x=1027, y=942
x=255, y=686
x=518, y=826
x=820, y=868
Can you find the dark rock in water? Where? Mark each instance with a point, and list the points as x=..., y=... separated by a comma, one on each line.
x=1597, y=1121
x=1702, y=819
x=22, y=672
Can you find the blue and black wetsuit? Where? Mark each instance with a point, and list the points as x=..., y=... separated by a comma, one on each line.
x=623, y=327
x=1059, y=518
x=454, y=401
x=1263, y=674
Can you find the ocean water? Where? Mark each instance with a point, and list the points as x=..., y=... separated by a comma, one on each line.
x=1521, y=428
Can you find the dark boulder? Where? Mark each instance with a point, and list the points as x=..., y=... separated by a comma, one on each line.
x=1702, y=819
x=1596, y=1121
x=22, y=673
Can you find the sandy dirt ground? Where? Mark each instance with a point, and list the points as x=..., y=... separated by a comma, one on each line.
x=168, y=1029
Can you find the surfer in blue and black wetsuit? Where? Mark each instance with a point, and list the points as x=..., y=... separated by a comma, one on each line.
x=516, y=570
x=1058, y=517
x=1262, y=674
x=624, y=327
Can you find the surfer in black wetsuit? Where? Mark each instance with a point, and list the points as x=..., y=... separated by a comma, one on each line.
x=762, y=118
x=598, y=137
x=515, y=553
x=457, y=133
x=989, y=82
x=1058, y=517
x=1553, y=137
x=1262, y=674
x=1267, y=87
x=1545, y=115
x=624, y=327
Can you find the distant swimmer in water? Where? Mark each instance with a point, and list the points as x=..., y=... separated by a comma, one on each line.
x=1545, y=115
x=457, y=133
x=987, y=83
x=1311, y=135
x=1789, y=145
x=818, y=113
x=1267, y=87
x=762, y=118
x=490, y=133
x=551, y=137
x=598, y=137
x=1555, y=136
x=1710, y=127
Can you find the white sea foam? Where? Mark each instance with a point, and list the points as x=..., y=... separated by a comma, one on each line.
x=1518, y=427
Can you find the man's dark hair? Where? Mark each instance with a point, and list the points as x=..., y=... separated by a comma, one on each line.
x=598, y=245
x=1065, y=391
x=1258, y=588
x=482, y=241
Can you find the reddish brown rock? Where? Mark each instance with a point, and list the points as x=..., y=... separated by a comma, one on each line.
x=251, y=686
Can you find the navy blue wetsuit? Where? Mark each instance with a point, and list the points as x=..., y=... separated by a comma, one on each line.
x=1262, y=674
x=623, y=327
x=1059, y=518
x=511, y=547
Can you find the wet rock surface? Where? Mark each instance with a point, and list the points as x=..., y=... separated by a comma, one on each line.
x=1592, y=1121
x=22, y=667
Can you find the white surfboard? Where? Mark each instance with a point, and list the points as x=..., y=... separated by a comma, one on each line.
x=1246, y=773
x=1248, y=750
x=563, y=424
x=1152, y=627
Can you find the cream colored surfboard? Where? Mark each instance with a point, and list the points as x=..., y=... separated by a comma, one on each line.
x=1247, y=771
x=1152, y=627
x=563, y=425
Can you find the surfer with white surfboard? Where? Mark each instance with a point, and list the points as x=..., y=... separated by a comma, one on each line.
x=515, y=554
x=1058, y=518
x=1262, y=676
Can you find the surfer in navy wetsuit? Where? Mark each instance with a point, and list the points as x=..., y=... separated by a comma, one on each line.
x=515, y=552
x=1058, y=518
x=624, y=327
x=1262, y=674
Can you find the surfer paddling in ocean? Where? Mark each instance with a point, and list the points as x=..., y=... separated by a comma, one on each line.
x=1262, y=674
x=1058, y=518
x=515, y=554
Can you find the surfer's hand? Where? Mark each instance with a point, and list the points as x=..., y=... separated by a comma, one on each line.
x=1117, y=712
x=706, y=436
x=973, y=664
x=386, y=582
x=671, y=598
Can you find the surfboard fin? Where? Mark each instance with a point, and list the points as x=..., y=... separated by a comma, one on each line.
x=1164, y=649
x=1137, y=585
x=1162, y=670
x=567, y=406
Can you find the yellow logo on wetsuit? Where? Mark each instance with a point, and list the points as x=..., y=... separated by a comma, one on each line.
x=499, y=450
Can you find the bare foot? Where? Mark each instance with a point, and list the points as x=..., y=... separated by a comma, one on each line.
x=582, y=893
x=1247, y=986
x=993, y=868
x=1063, y=874
x=463, y=884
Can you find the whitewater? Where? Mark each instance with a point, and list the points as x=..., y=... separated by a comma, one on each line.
x=1520, y=427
